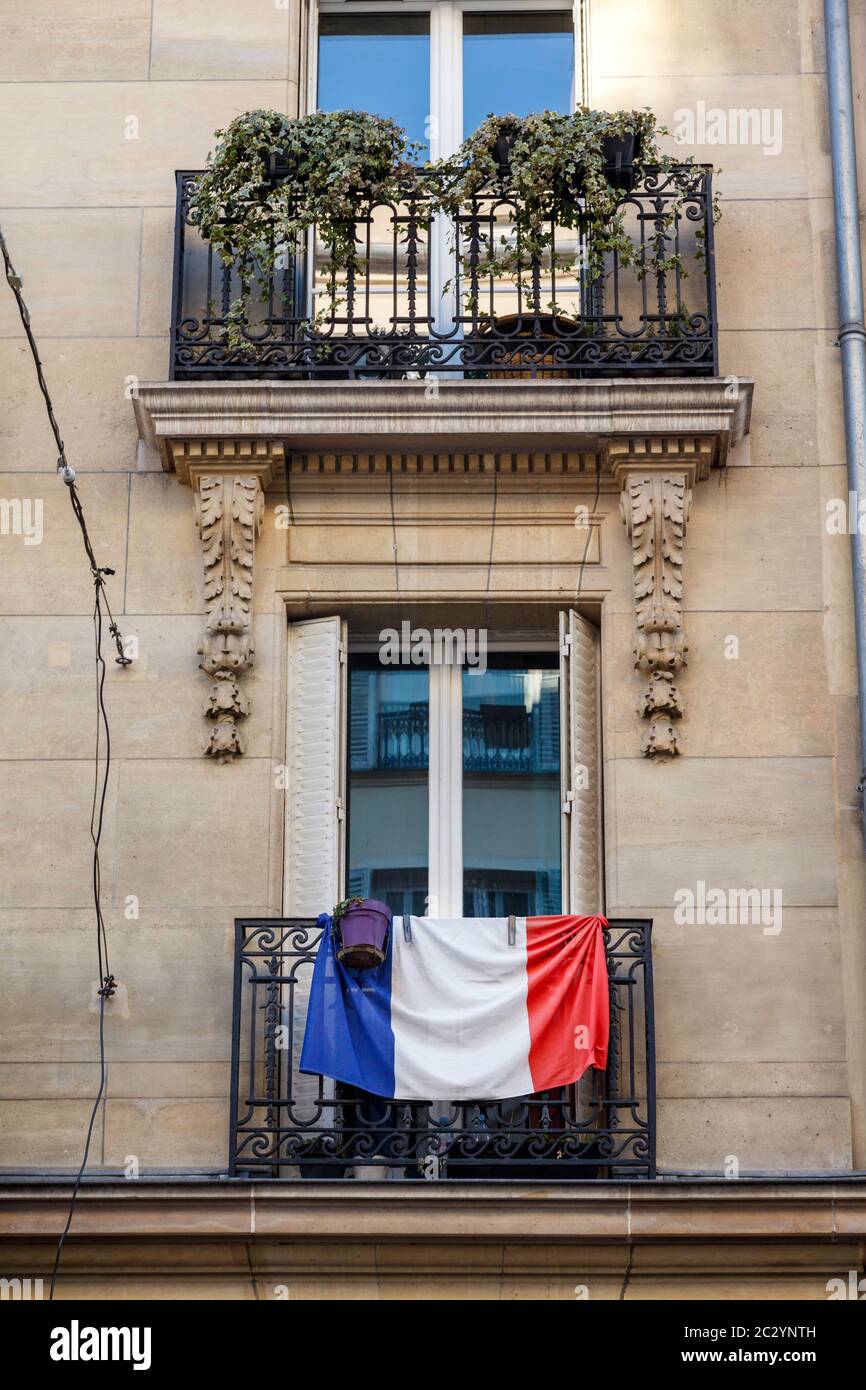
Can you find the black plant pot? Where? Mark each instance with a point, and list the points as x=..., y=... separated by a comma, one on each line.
x=503, y=148
x=620, y=153
x=310, y=1169
x=279, y=166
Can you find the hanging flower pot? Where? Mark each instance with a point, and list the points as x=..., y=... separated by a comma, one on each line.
x=503, y=146
x=361, y=926
x=620, y=154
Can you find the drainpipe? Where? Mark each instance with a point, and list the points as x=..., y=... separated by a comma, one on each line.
x=852, y=334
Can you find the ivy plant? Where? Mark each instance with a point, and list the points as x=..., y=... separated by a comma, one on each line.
x=271, y=177
x=558, y=176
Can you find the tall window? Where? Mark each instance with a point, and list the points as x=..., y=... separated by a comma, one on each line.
x=389, y=729
x=511, y=849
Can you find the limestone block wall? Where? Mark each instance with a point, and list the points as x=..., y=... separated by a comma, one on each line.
x=101, y=103
x=754, y=1031
x=760, y=1038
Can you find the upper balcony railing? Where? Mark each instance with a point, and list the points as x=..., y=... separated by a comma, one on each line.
x=418, y=300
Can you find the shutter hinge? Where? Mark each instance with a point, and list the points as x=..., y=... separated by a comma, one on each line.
x=341, y=808
x=566, y=805
x=565, y=649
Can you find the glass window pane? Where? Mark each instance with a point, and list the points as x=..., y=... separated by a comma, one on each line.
x=511, y=854
x=377, y=63
x=388, y=762
x=516, y=63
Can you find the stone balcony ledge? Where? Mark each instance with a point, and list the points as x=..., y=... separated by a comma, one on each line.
x=724, y=1212
x=441, y=417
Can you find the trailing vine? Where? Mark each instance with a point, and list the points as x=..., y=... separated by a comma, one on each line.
x=271, y=177
x=561, y=173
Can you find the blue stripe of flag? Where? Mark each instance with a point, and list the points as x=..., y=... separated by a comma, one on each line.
x=348, y=1034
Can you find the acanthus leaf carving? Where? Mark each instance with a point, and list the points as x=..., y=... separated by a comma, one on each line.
x=229, y=510
x=655, y=507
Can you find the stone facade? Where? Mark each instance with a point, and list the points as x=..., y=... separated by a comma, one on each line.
x=753, y=758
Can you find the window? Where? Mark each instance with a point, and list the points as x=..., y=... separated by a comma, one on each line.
x=468, y=793
x=389, y=726
x=440, y=67
x=516, y=62
x=510, y=793
x=378, y=63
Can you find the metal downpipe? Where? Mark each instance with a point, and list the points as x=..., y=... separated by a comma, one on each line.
x=852, y=334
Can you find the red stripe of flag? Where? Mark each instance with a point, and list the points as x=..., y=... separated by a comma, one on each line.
x=567, y=998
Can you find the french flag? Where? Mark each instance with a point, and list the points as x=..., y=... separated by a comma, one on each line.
x=464, y=1008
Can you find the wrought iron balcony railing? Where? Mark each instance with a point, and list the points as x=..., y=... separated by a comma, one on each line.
x=288, y=1125
x=418, y=301
x=498, y=739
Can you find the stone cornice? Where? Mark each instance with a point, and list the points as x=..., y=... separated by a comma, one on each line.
x=419, y=417
x=646, y=1213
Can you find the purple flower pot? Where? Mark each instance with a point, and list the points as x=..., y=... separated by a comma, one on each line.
x=363, y=934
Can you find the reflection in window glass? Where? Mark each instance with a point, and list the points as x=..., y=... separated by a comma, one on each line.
x=518, y=63
x=377, y=63
x=388, y=762
x=511, y=831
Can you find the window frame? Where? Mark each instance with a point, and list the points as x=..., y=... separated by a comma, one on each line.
x=445, y=848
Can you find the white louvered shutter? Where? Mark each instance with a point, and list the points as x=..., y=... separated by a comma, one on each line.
x=581, y=764
x=316, y=763
x=315, y=796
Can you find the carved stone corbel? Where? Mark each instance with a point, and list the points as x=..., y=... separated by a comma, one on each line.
x=229, y=482
x=656, y=477
x=229, y=513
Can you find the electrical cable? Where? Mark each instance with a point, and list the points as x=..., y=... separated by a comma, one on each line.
x=393, y=524
x=107, y=983
x=589, y=529
x=492, y=540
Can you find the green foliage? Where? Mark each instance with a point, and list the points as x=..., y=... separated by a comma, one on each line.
x=343, y=907
x=334, y=166
x=558, y=178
